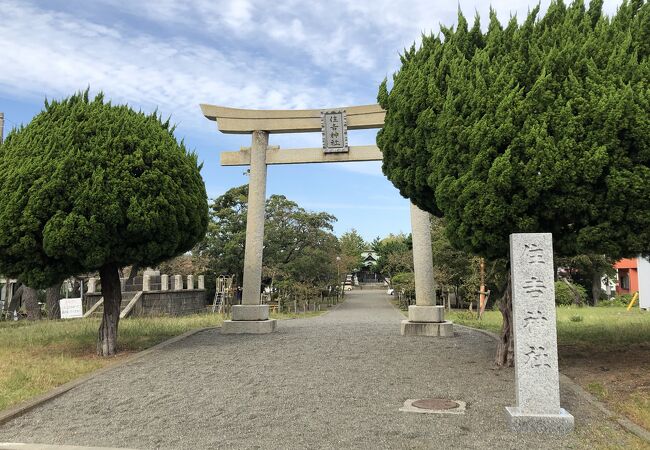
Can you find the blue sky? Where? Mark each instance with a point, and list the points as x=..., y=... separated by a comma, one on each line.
x=173, y=55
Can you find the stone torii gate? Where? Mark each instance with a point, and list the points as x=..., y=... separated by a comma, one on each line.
x=425, y=318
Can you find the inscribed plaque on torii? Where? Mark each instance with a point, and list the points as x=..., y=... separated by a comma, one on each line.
x=335, y=131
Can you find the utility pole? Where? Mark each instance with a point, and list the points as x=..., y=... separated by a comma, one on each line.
x=2, y=126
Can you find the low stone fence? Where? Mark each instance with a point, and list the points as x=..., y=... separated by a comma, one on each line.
x=183, y=298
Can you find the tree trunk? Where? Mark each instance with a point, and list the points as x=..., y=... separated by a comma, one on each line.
x=52, y=297
x=135, y=268
x=112, y=293
x=505, y=348
x=595, y=288
x=30, y=297
x=576, y=295
x=15, y=299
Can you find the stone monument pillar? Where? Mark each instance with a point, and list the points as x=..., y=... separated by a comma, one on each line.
x=164, y=282
x=201, y=281
x=250, y=316
x=425, y=318
x=92, y=282
x=178, y=282
x=190, y=282
x=146, y=282
x=537, y=377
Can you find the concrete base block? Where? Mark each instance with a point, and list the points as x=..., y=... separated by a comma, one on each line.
x=442, y=329
x=248, y=326
x=426, y=313
x=446, y=329
x=561, y=423
x=250, y=312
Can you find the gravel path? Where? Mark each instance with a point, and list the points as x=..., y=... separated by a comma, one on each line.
x=336, y=381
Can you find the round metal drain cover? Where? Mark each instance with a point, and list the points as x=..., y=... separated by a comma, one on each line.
x=435, y=404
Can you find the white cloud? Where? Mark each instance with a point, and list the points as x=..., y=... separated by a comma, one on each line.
x=364, y=168
x=175, y=54
x=54, y=54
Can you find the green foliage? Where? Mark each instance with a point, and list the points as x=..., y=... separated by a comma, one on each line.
x=224, y=242
x=395, y=254
x=566, y=295
x=352, y=244
x=459, y=271
x=299, y=246
x=618, y=301
x=576, y=318
x=404, y=282
x=534, y=127
x=588, y=271
x=87, y=183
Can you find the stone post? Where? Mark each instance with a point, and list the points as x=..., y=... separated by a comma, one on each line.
x=146, y=283
x=255, y=220
x=164, y=282
x=201, y=281
x=251, y=316
x=425, y=291
x=178, y=283
x=535, y=337
x=190, y=282
x=92, y=282
x=425, y=318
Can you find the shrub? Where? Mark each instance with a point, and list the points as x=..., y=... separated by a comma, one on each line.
x=619, y=300
x=564, y=295
x=576, y=318
x=404, y=281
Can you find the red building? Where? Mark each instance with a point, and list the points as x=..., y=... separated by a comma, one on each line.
x=628, y=276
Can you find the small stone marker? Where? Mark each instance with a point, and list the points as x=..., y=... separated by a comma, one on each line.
x=146, y=282
x=92, y=282
x=334, y=125
x=535, y=338
x=201, y=281
x=178, y=283
x=164, y=282
x=71, y=308
x=190, y=282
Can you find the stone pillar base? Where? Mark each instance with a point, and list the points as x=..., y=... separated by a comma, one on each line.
x=250, y=312
x=441, y=329
x=426, y=313
x=561, y=423
x=248, y=326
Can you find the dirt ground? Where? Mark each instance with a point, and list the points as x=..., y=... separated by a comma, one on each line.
x=620, y=377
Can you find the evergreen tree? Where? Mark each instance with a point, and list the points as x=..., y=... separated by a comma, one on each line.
x=298, y=244
x=88, y=186
x=542, y=126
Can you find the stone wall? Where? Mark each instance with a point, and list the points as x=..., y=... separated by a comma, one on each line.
x=171, y=303
x=89, y=300
x=159, y=303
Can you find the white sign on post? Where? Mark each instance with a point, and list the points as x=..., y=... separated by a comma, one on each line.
x=643, y=266
x=335, y=131
x=71, y=308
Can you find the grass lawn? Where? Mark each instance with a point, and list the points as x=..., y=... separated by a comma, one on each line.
x=605, y=350
x=38, y=356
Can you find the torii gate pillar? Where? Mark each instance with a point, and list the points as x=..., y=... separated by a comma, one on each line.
x=425, y=318
x=252, y=317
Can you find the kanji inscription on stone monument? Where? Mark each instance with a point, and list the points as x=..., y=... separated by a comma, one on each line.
x=335, y=131
x=535, y=338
